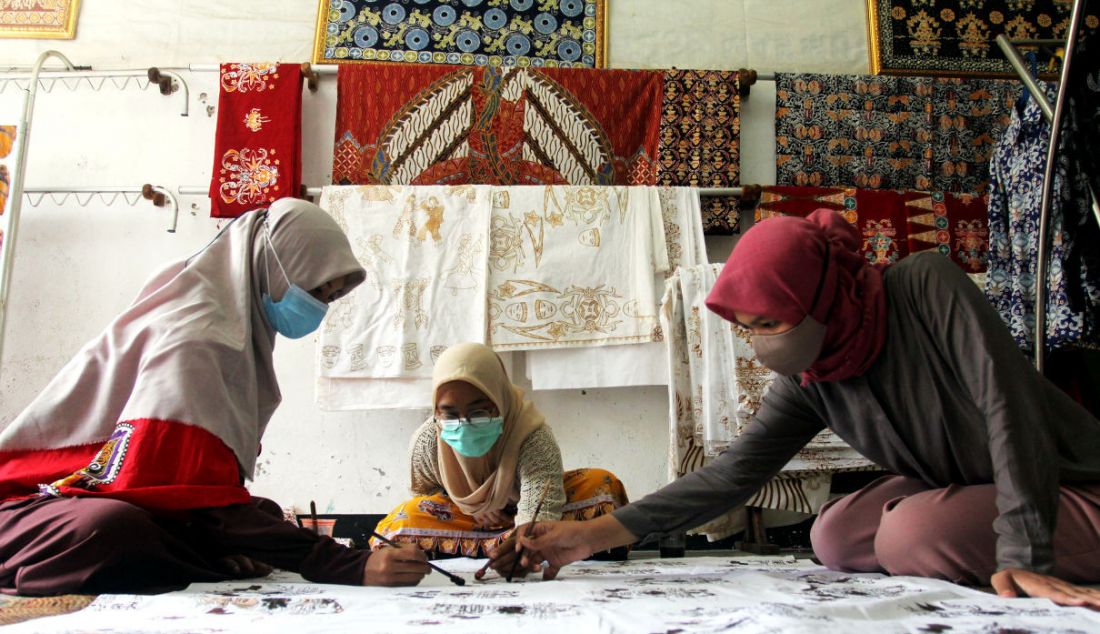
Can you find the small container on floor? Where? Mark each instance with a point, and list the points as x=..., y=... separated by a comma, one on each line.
x=672, y=546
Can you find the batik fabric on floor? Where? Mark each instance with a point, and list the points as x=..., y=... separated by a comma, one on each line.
x=437, y=525
x=574, y=266
x=257, y=147
x=919, y=133
x=716, y=385
x=895, y=223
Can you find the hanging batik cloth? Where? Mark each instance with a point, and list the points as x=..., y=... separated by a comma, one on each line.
x=8, y=163
x=1073, y=293
x=574, y=266
x=701, y=139
x=421, y=125
x=716, y=386
x=873, y=132
x=637, y=364
x=424, y=250
x=448, y=125
x=895, y=223
x=257, y=147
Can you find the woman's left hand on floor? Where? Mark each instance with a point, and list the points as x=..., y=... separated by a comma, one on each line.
x=1015, y=582
x=241, y=567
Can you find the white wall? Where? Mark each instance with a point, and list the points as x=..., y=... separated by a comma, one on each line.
x=77, y=267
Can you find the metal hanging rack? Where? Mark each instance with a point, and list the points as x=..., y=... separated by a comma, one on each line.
x=30, y=81
x=1056, y=116
x=746, y=191
x=159, y=196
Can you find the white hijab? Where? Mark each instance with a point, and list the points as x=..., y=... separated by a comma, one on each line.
x=195, y=346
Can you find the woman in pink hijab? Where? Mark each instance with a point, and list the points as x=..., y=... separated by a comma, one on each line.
x=998, y=471
x=126, y=473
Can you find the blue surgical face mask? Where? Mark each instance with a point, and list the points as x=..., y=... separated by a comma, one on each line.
x=298, y=313
x=472, y=438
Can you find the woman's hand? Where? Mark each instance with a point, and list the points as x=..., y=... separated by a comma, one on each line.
x=1012, y=582
x=241, y=567
x=507, y=555
x=403, y=565
x=493, y=519
x=561, y=543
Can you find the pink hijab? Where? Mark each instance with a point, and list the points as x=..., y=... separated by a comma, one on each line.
x=195, y=346
x=781, y=265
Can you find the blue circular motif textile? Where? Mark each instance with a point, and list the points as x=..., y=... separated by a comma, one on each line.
x=417, y=39
x=517, y=44
x=495, y=19
x=444, y=15
x=365, y=36
x=471, y=3
x=393, y=13
x=346, y=9
x=545, y=23
x=571, y=8
x=569, y=50
x=468, y=41
x=424, y=58
x=522, y=5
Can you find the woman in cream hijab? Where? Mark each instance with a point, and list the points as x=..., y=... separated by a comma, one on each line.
x=484, y=461
x=126, y=473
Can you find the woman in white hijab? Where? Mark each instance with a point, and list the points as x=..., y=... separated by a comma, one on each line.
x=126, y=473
x=486, y=464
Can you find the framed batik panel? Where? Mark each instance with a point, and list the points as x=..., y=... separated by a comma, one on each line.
x=39, y=19
x=521, y=33
x=957, y=37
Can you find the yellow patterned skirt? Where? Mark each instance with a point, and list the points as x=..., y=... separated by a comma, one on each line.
x=436, y=524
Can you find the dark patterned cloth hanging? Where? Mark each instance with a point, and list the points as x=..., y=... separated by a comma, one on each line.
x=522, y=33
x=701, y=140
x=870, y=132
x=432, y=124
x=957, y=37
x=893, y=223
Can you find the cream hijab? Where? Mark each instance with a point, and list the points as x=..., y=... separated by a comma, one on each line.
x=485, y=483
x=195, y=346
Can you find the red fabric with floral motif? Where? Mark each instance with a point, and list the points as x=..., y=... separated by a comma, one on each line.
x=257, y=148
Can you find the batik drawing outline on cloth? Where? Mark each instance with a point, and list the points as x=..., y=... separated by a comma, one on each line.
x=557, y=277
x=520, y=33
x=423, y=250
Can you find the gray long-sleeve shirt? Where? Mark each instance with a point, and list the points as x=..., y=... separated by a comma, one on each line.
x=949, y=400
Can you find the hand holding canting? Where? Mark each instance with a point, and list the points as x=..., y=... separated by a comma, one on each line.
x=403, y=565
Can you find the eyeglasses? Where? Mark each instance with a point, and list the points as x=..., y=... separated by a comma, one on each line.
x=476, y=417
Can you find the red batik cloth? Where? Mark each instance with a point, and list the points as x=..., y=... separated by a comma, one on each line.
x=701, y=139
x=895, y=223
x=437, y=124
x=155, y=464
x=257, y=150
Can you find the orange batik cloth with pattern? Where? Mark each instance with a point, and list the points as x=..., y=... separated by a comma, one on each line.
x=437, y=525
x=257, y=148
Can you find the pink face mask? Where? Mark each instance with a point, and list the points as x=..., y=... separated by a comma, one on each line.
x=793, y=351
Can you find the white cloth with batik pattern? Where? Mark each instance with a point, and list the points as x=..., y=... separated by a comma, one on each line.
x=638, y=364
x=716, y=385
x=574, y=266
x=424, y=250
